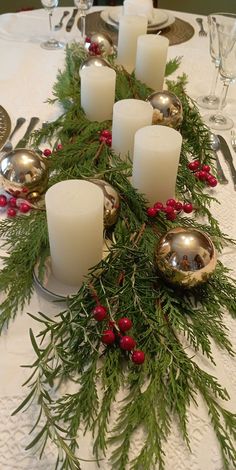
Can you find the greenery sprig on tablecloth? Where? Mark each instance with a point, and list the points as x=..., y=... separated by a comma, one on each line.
x=69, y=346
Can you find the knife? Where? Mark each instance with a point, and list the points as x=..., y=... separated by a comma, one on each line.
x=71, y=20
x=228, y=158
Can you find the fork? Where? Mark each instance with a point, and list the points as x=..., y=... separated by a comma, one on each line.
x=8, y=145
x=202, y=31
x=60, y=24
x=233, y=139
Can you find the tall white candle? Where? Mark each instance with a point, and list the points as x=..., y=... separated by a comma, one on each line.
x=98, y=92
x=130, y=27
x=128, y=116
x=155, y=165
x=74, y=211
x=151, y=60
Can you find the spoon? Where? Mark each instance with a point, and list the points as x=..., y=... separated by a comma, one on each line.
x=59, y=25
x=215, y=145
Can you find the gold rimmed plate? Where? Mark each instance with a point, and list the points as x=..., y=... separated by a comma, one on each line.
x=5, y=126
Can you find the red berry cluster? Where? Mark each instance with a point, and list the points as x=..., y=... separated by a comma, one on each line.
x=114, y=334
x=202, y=172
x=48, y=152
x=12, y=205
x=170, y=209
x=94, y=48
x=106, y=136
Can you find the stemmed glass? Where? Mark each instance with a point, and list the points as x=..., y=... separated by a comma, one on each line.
x=83, y=7
x=51, y=44
x=227, y=48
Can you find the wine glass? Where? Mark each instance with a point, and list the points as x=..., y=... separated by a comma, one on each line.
x=51, y=43
x=83, y=7
x=227, y=48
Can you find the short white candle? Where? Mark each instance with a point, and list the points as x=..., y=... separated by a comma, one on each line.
x=130, y=27
x=151, y=60
x=74, y=211
x=128, y=116
x=98, y=92
x=155, y=165
x=138, y=7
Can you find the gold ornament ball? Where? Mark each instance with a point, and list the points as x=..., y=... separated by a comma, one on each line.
x=105, y=42
x=167, y=109
x=111, y=202
x=96, y=61
x=24, y=173
x=185, y=257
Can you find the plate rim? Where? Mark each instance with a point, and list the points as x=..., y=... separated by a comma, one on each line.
x=106, y=20
x=119, y=8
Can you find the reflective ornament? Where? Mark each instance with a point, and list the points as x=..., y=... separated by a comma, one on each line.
x=167, y=107
x=24, y=174
x=185, y=257
x=96, y=60
x=111, y=202
x=104, y=41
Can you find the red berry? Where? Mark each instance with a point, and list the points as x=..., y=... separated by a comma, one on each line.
x=192, y=166
x=124, y=324
x=138, y=356
x=127, y=343
x=108, y=337
x=171, y=216
x=24, y=190
x=202, y=175
x=3, y=201
x=171, y=202
x=87, y=39
x=151, y=212
x=103, y=139
x=12, y=202
x=196, y=174
x=178, y=206
x=196, y=164
x=47, y=152
x=24, y=207
x=206, y=168
x=106, y=133
x=11, y=212
x=59, y=147
x=187, y=207
x=168, y=209
x=99, y=312
x=109, y=141
x=158, y=205
x=212, y=181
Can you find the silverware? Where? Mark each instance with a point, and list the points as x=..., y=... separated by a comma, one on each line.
x=60, y=24
x=22, y=142
x=228, y=158
x=202, y=31
x=233, y=139
x=71, y=20
x=8, y=145
x=215, y=145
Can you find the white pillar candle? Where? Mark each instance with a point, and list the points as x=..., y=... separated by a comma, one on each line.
x=128, y=116
x=138, y=7
x=74, y=211
x=98, y=92
x=155, y=165
x=151, y=60
x=130, y=27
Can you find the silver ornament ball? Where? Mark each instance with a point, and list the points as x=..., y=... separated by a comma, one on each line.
x=185, y=257
x=167, y=109
x=111, y=202
x=105, y=42
x=24, y=173
x=96, y=61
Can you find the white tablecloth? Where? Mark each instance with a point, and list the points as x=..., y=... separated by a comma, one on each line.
x=27, y=75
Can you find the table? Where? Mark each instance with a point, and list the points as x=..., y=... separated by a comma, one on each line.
x=27, y=76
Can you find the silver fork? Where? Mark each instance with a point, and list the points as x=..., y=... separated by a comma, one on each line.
x=8, y=145
x=202, y=31
x=233, y=139
x=60, y=24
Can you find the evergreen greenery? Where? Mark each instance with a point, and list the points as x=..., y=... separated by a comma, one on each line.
x=69, y=346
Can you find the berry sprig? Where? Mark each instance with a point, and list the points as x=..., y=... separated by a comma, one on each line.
x=94, y=48
x=13, y=205
x=202, y=173
x=106, y=136
x=115, y=334
x=171, y=209
x=48, y=152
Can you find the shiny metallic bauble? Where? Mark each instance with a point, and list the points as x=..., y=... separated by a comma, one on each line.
x=104, y=41
x=167, y=109
x=94, y=60
x=185, y=257
x=111, y=202
x=24, y=173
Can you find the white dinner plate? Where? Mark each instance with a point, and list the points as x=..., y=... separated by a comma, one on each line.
x=106, y=18
x=159, y=16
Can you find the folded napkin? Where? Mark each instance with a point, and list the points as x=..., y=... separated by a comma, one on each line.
x=139, y=7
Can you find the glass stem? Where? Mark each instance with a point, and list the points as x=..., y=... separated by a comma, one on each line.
x=50, y=22
x=214, y=80
x=223, y=95
x=82, y=22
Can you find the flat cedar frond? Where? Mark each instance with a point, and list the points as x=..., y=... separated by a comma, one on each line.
x=69, y=346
